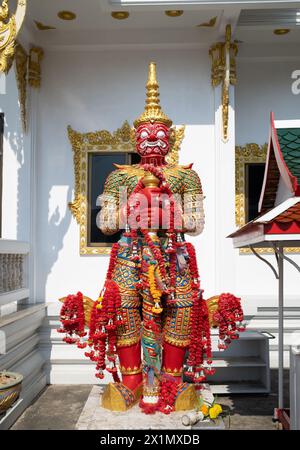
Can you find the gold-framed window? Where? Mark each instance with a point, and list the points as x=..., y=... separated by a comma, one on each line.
x=101, y=149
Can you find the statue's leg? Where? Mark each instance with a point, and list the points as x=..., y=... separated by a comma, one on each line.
x=121, y=396
x=129, y=333
x=176, y=338
x=176, y=331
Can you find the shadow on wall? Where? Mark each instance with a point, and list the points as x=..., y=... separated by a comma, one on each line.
x=15, y=173
x=18, y=196
x=52, y=237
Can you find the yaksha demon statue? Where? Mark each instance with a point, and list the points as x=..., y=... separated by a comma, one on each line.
x=150, y=320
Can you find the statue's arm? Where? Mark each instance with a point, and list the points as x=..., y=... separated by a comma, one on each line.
x=193, y=211
x=108, y=218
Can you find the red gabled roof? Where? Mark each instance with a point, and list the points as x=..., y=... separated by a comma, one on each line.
x=276, y=167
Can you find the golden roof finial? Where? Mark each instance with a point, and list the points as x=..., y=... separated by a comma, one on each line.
x=152, y=111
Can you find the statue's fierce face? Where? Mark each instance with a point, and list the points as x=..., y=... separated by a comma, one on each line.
x=152, y=139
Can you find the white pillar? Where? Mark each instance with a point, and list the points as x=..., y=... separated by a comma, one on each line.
x=225, y=195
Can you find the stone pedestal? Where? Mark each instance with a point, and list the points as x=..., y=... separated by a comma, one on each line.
x=94, y=417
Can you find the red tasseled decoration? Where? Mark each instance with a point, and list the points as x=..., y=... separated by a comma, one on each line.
x=168, y=394
x=147, y=408
x=229, y=317
x=72, y=320
x=104, y=323
x=200, y=344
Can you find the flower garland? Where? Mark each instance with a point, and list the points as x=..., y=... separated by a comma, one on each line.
x=72, y=320
x=106, y=316
x=167, y=397
x=200, y=342
x=229, y=317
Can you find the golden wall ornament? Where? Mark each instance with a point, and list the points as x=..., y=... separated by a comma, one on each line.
x=104, y=141
x=223, y=70
x=9, y=29
x=248, y=154
x=21, y=59
x=36, y=55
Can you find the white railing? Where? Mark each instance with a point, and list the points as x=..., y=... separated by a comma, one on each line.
x=14, y=283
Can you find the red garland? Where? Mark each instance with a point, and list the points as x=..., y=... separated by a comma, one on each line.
x=200, y=343
x=229, y=317
x=105, y=318
x=72, y=320
x=167, y=397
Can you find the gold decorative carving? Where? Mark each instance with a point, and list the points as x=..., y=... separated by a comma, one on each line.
x=187, y=399
x=223, y=71
x=36, y=55
x=249, y=154
x=212, y=306
x=210, y=24
x=113, y=400
x=121, y=140
x=21, y=65
x=130, y=370
x=177, y=136
x=9, y=29
x=42, y=27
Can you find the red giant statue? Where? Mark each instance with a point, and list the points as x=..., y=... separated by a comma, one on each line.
x=150, y=320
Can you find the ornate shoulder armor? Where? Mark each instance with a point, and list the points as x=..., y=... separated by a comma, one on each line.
x=193, y=212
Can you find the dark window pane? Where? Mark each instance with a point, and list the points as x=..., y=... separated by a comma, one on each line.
x=135, y=158
x=254, y=181
x=100, y=166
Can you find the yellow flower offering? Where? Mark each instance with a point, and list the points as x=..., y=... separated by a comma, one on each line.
x=215, y=410
x=204, y=409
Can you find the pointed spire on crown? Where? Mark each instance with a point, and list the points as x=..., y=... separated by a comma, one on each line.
x=152, y=111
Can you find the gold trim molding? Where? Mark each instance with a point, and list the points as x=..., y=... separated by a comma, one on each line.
x=21, y=59
x=9, y=29
x=36, y=55
x=248, y=154
x=121, y=140
x=223, y=70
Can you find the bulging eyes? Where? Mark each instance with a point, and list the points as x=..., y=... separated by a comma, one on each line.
x=161, y=134
x=144, y=134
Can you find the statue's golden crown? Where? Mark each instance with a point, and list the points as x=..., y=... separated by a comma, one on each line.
x=152, y=111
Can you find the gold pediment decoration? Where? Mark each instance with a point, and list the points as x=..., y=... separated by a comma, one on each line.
x=248, y=154
x=10, y=26
x=121, y=140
